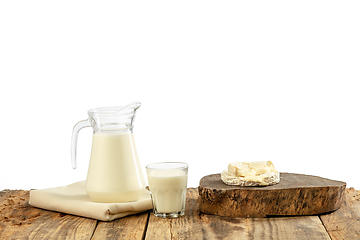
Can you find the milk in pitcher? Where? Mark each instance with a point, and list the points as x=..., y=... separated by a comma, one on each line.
x=114, y=168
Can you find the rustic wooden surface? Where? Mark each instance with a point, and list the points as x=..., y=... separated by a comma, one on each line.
x=296, y=194
x=19, y=220
x=345, y=222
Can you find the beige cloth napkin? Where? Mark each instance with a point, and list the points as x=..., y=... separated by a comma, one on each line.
x=73, y=199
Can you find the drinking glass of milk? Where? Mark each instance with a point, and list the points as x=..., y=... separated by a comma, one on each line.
x=168, y=184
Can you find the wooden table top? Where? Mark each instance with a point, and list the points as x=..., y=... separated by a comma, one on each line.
x=19, y=220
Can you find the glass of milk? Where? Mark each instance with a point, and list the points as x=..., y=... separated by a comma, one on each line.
x=168, y=184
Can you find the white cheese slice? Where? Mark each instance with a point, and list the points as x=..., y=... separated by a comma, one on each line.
x=251, y=174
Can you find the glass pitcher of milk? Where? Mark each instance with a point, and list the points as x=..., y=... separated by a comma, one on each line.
x=114, y=173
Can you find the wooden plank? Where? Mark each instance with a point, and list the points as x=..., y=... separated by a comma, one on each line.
x=130, y=227
x=159, y=228
x=295, y=194
x=297, y=228
x=19, y=220
x=195, y=225
x=345, y=222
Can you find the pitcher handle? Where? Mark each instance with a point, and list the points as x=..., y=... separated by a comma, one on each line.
x=75, y=132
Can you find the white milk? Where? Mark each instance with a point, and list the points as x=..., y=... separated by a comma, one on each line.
x=168, y=189
x=114, y=171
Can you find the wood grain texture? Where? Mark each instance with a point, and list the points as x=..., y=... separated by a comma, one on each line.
x=345, y=222
x=195, y=225
x=19, y=220
x=296, y=194
x=130, y=227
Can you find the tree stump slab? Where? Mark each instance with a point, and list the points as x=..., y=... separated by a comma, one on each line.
x=295, y=194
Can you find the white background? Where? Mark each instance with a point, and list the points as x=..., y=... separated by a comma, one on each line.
x=219, y=82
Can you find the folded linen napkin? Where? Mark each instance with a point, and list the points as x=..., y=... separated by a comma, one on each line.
x=73, y=199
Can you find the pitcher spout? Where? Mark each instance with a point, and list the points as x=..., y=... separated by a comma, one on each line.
x=130, y=107
x=113, y=118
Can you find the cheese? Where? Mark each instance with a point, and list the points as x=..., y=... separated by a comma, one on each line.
x=251, y=174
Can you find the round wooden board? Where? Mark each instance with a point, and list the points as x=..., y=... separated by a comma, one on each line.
x=295, y=194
